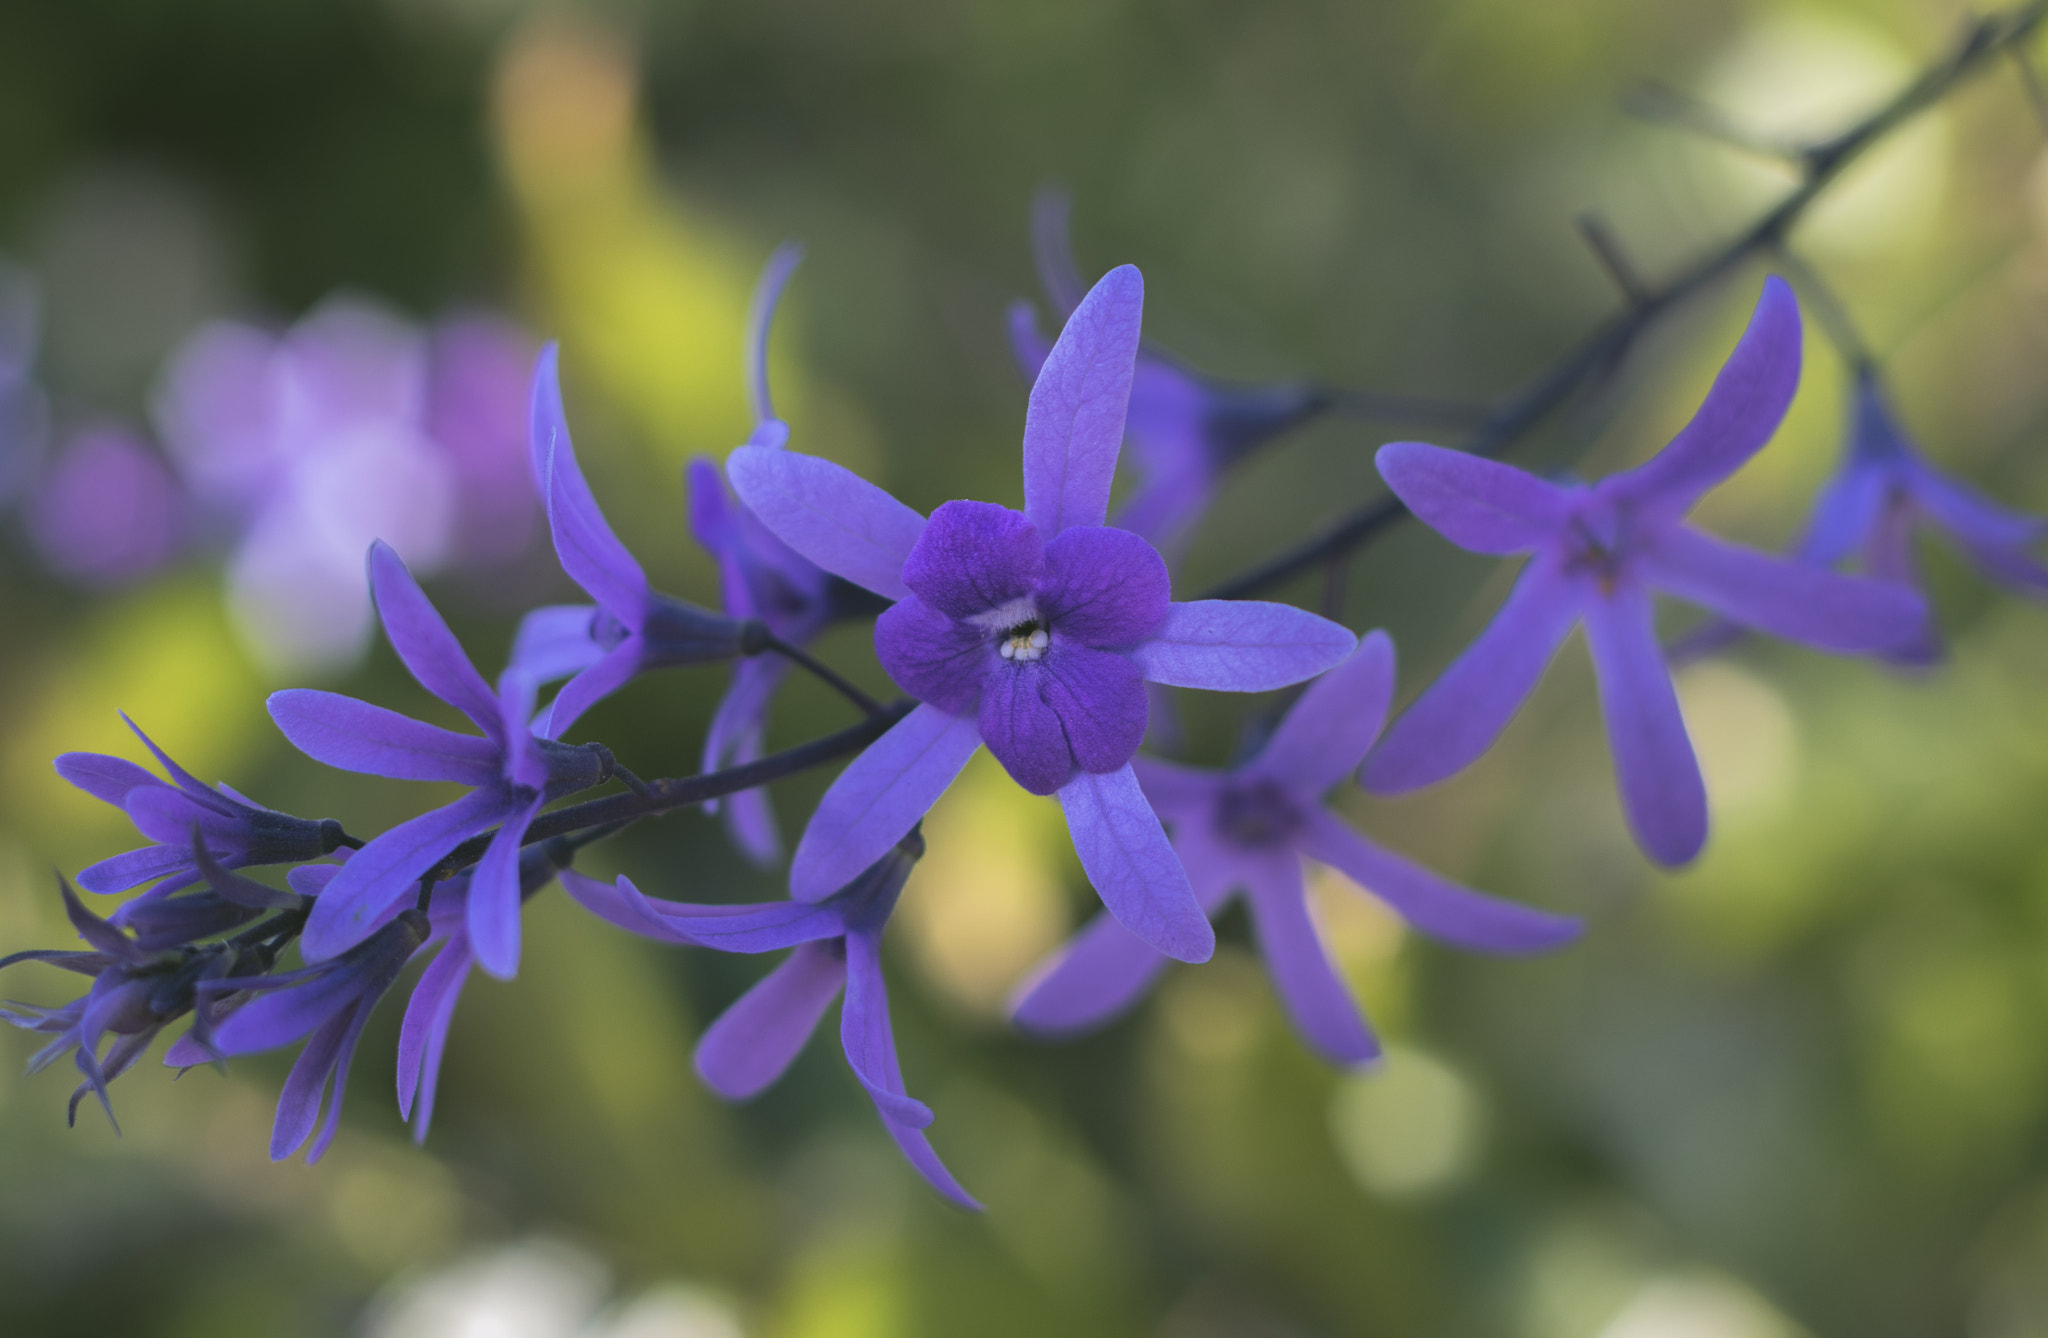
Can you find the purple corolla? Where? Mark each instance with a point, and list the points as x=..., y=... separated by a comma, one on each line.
x=1250, y=827
x=632, y=628
x=514, y=774
x=106, y=511
x=838, y=943
x=236, y=831
x=1185, y=428
x=1597, y=553
x=1031, y=631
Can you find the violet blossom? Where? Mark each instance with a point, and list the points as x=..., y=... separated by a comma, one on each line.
x=515, y=774
x=1032, y=631
x=1251, y=827
x=1597, y=553
x=1185, y=428
x=106, y=510
x=236, y=830
x=838, y=945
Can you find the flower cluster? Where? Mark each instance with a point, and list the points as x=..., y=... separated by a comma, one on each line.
x=1042, y=631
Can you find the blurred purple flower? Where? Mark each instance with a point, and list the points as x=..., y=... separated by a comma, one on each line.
x=1185, y=428
x=1598, y=552
x=480, y=371
x=838, y=944
x=514, y=774
x=1033, y=632
x=315, y=442
x=236, y=830
x=1251, y=827
x=328, y=1004
x=632, y=628
x=107, y=510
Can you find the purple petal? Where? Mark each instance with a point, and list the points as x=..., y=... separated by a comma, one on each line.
x=523, y=763
x=424, y=1036
x=1478, y=504
x=1845, y=511
x=1748, y=400
x=754, y=1042
x=1126, y=856
x=932, y=657
x=554, y=642
x=1327, y=732
x=344, y=1057
x=122, y=872
x=917, y=1150
x=97, y=933
x=589, y=551
x=1661, y=790
x=1104, y=587
x=1994, y=537
x=1102, y=973
x=761, y=320
x=864, y=1032
x=167, y=815
x=877, y=800
x=356, y=736
x=184, y=779
x=974, y=557
x=103, y=777
x=750, y=824
x=494, y=897
x=1052, y=249
x=767, y=927
x=1100, y=700
x=618, y=668
x=1177, y=791
x=1023, y=729
x=743, y=708
x=298, y=1106
x=310, y=880
x=829, y=514
x=386, y=869
x=1240, y=646
x=1433, y=904
x=1460, y=715
x=1785, y=599
x=422, y=639
x=1074, y=424
x=1318, y=1001
x=1027, y=344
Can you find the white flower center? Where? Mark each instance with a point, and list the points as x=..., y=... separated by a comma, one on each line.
x=1023, y=644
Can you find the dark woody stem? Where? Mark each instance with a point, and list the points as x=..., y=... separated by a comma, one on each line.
x=799, y=656
x=1985, y=41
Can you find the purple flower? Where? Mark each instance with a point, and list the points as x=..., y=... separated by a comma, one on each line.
x=236, y=831
x=1032, y=631
x=479, y=368
x=327, y=1004
x=1186, y=428
x=106, y=511
x=1597, y=553
x=514, y=774
x=632, y=628
x=1250, y=827
x=838, y=944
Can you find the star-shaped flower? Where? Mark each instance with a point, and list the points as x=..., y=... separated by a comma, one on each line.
x=1032, y=631
x=1597, y=553
x=1251, y=827
x=838, y=944
x=514, y=774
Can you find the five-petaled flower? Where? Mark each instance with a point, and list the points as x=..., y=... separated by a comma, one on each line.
x=1250, y=827
x=1597, y=553
x=1031, y=631
x=838, y=943
x=514, y=774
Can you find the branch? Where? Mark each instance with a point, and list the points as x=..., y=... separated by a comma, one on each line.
x=1990, y=38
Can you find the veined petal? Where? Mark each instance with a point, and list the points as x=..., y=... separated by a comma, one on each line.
x=865, y=1033
x=1240, y=646
x=1101, y=974
x=1327, y=732
x=423, y=1037
x=425, y=644
x=103, y=777
x=356, y=736
x=1023, y=730
x=974, y=557
x=932, y=657
x=589, y=551
x=754, y=1042
x=1176, y=791
x=618, y=668
x=1785, y=599
x=554, y=642
x=1460, y=715
x=1126, y=856
x=1318, y=1001
x=1074, y=424
x=1100, y=700
x=828, y=514
x=877, y=800
x=305, y=1087
x=1478, y=504
x=523, y=763
x=1104, y=587
x=1433, y=904
x=494, y=901
x=121, y=872
x=1661, y=791
x=386, y=869
x=1748, y=400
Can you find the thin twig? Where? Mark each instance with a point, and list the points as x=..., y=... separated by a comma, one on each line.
x=819, y=669
x=1607, y=250
x=1986, y=39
